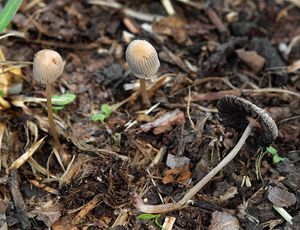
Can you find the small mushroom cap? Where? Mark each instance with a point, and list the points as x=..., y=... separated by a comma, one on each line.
x=142, y=59
x=236, y=112
x=48, y=65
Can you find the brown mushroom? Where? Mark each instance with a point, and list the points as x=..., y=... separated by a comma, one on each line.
x=48, y=65
x=237, y=113
x=143, y=62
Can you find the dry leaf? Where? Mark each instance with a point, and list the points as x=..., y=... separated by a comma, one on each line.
x=11, y=81
x=175, y=161
x=180, y=175
x=49, y=213
x=223, y=221
x=24, y=157
x=252, y=59
x=172, y=26
x=165, y=122
x=280, y=197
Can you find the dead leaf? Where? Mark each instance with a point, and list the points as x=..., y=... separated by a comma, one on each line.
x=180, y=175
x=24, y=157
x=175, y=161
x=165, y=122
x=49, y=213
x=229, y=194
x=223, y=221
x=173, y=26
x=252, y=59
x=11, y=81
x=280, y=197
x=295, y=66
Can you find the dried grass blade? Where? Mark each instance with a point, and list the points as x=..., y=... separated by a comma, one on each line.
x=24, y=157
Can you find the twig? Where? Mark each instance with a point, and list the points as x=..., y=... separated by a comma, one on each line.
x=188, y=109
x=128, y=12
x=20, y=206
x=86, y=209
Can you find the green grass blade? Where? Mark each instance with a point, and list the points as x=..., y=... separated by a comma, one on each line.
x=8, y=12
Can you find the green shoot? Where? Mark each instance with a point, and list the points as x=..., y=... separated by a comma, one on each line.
x=103, y=114
x=8, y=12
x=62, y=100
x=276, y=158
x=1, y=93
x=155, y=217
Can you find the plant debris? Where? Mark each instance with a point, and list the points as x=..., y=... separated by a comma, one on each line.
x=142, y=158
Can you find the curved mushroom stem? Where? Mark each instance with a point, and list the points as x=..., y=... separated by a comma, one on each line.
x=192, y=192
x=57, y=144
x=143, y=91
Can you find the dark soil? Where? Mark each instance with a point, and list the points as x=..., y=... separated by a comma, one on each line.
x=207, y=50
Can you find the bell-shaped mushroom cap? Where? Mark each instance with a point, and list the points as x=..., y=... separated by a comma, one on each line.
x=235, y=112
x=142, y=59
x=47, y=66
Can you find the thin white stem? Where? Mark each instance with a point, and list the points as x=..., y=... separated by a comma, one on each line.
x=192, y=192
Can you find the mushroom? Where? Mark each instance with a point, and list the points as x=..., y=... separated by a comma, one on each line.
x=236, y=113
x=143, y=62
x=48, y=65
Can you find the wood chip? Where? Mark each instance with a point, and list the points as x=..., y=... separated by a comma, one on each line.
x=223, y=221
x=252, y=59
x=280, y=197
x=165, y=122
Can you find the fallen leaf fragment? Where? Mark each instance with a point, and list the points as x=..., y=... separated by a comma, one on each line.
x=49, y=213
x=172, y=26
x=223, y=221
x=169, y=222
x=24, y=157
x=295, y=66
x=165, y=122
x=281, y=198
x=175, y=161
x=229, y=194
x=252, y=59
x=180, y=175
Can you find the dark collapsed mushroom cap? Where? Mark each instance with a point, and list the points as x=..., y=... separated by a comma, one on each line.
x=235, y=112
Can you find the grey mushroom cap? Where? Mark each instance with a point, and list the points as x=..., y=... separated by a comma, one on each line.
x=142, y=59
x=48, y=65
x=235, y=112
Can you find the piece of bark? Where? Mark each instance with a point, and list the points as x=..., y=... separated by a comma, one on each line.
x=20, y=206
x=251, y=59
x=165, y=122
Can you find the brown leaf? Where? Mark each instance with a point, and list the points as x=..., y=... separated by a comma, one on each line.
x=173, y=26
x=280, y=197
x=49, y=213
x=223, y=221
x=180, y=175
x=165, y=122
x=252, y=59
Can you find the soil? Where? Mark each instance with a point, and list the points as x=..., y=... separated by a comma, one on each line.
x=207, y=50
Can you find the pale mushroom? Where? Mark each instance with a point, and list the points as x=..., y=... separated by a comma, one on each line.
x=48, y=65
x=143, y=62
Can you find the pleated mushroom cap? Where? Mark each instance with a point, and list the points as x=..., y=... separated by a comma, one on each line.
x=236, y=112
x=142, y=59
x=48, y=65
